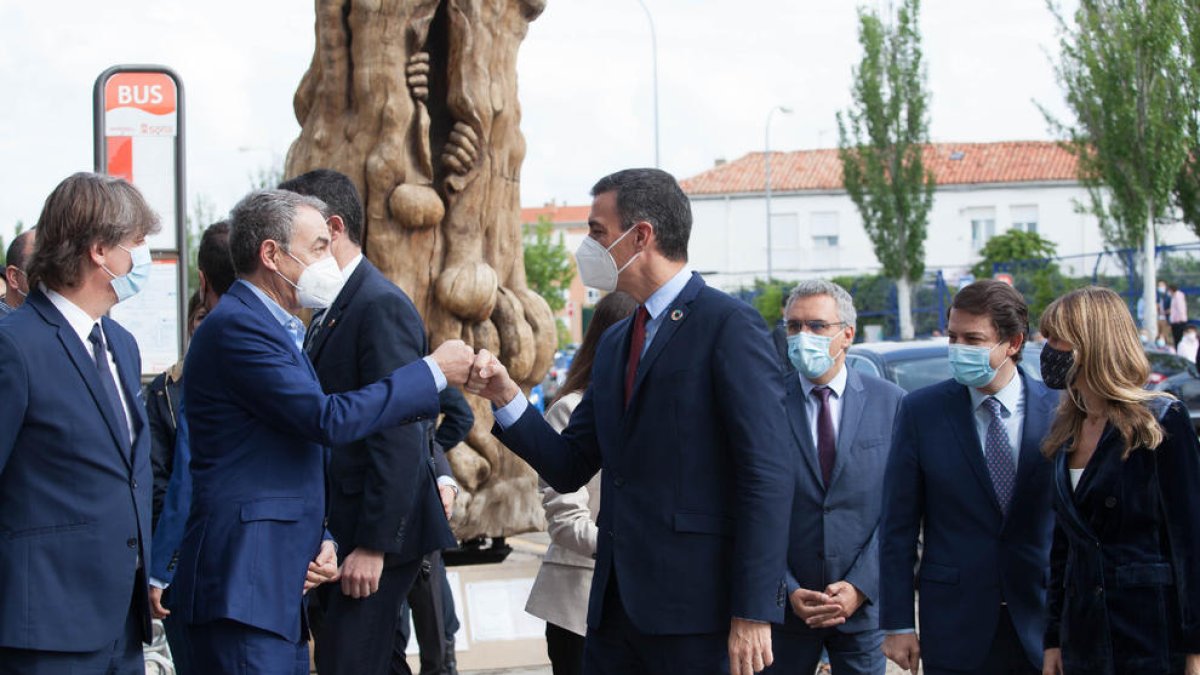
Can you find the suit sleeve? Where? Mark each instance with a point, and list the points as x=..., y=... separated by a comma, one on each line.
x=901, y=522
x=566, y=461
x=864, y=573
x=457, y=419
x=266, y=378
x=1054, y=594
x=162, y=443
x=14, y=382
x=749, y=382
x=177, y=503
x=1178, y=460
x=391, y=336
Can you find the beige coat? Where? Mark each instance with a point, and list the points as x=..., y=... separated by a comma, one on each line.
x=560, y=592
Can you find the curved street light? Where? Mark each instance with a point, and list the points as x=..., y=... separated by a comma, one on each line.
x=654, y=56
x=767, y=163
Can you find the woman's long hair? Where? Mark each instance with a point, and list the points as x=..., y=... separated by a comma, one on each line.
x=611, y=309
x=1110, y=361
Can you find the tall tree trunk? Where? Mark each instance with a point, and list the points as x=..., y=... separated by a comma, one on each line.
x=416, y=101
x=1149, y=281
x=904, y=307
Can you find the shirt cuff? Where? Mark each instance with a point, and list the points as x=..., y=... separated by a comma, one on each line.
x=439, y=378
x=511, y=412
x=158, y=583
x=900, y=631
x=443, y=481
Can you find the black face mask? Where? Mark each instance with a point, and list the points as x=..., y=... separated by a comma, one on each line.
x=1056, y=365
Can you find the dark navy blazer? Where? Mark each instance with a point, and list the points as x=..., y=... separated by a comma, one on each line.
x=834, y=530
x=383, y=493
x=974, y=557
x=1125, y=567
x=259, y=422
x=74, y=496
x=697, y=479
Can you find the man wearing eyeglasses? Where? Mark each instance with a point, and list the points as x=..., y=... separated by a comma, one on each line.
x=841, y=423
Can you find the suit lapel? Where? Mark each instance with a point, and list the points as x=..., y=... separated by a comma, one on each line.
x=330, y=321
x=962, y=420
x=853, y=403
x=85, y=365
x=670, y=321
x=248, y=298
x=127, y=375
x=797, y=412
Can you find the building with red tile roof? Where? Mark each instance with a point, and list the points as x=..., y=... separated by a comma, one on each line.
x=571, y=222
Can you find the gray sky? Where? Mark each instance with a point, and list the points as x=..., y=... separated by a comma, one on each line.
x=585, y=83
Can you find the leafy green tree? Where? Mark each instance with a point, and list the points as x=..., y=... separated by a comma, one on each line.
x=1125, y=72
x=202, y=214
x=1012, y=246
x=880, y=142
x=549, y=267
x=1187, y=186
x=768, y=299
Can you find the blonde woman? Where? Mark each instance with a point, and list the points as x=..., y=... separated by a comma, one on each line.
x=560, y=592
x=1125, y=564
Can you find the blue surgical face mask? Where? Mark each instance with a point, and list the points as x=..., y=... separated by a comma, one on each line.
x=809, y=353
x=131, y=283
x=972, y=366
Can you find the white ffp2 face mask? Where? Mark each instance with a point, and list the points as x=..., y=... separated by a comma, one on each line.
x=597, y=269
x=319, y=283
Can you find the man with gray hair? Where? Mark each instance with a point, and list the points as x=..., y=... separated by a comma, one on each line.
x=841, y=423
x=260, y=425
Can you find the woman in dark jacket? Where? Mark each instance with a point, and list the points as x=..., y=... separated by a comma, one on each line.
x=1124, y=592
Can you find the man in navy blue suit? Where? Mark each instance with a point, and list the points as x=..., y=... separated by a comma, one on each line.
x=75, y=474
x=685, y=414
x=841, y=424
x=385, y=510
x=259, y=423
x=966, y=465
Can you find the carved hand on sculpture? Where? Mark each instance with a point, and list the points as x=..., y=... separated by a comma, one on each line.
x=462, y=149
x=417, y=75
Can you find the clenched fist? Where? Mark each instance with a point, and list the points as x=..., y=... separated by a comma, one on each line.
x=454, y=357
x=490, y=379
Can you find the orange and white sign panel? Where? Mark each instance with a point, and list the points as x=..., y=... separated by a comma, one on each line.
x=140, y=104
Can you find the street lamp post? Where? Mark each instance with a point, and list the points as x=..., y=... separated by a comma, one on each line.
x=767, y=164
x=654, y=57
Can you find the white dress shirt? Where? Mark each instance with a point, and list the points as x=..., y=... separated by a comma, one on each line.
x=812, y=404
x=81, y=322
x=1012, y=403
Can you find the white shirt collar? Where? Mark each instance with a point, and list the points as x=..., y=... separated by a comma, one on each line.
x=351, y=266
x=80, y=321
x=660, y=300
x=837, y=384
x=1009, y=396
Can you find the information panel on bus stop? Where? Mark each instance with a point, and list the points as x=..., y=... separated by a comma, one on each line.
x=139, y=136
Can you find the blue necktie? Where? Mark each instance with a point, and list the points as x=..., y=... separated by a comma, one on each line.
x=998, y=451
x=108, y=381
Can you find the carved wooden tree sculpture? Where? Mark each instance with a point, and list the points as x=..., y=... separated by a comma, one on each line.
x=416, y=101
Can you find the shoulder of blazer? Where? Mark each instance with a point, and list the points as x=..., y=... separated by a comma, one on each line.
x=935, y=394
x=877, y=386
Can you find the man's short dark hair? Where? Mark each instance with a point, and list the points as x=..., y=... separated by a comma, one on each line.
x=655, y=197
x=213, y=257
x=338, y=191
x=85, y=209
x=997, y=300
x=20, y=250
x=263, y=215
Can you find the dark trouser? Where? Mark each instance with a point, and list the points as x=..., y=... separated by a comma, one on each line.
x=122, y=657
x=565, y=650
x=434, y=621
x=1006, y=656
x=177, y=638
x=799, y=651
x=619, y=648
x=226, y=647
x=1177, y=330
x=356, y=635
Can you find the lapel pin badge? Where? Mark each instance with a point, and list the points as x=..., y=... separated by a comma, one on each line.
x=677, y=315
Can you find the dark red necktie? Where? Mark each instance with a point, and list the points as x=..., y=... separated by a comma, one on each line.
x=826, y=444
x=636, y=341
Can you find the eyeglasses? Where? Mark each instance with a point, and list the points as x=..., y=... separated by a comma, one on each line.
x=815, y=326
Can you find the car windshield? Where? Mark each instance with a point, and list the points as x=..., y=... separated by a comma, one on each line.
x=915, y=373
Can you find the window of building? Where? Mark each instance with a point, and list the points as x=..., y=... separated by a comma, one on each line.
x=593, y=296
x=823, y=227
x=983, y=225
x=1025, y=218
x=785, y=232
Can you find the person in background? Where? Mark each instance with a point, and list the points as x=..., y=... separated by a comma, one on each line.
x=1178, y=315
x=16, y=279
x=560, y=593
x=216, y=276
x=1164, y=310
x=75, y=474
x=1188, y=344
x=1125, y=564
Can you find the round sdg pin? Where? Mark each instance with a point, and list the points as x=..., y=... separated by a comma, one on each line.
x=677, y=315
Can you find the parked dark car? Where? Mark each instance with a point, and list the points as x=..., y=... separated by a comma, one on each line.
x=920, y=363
